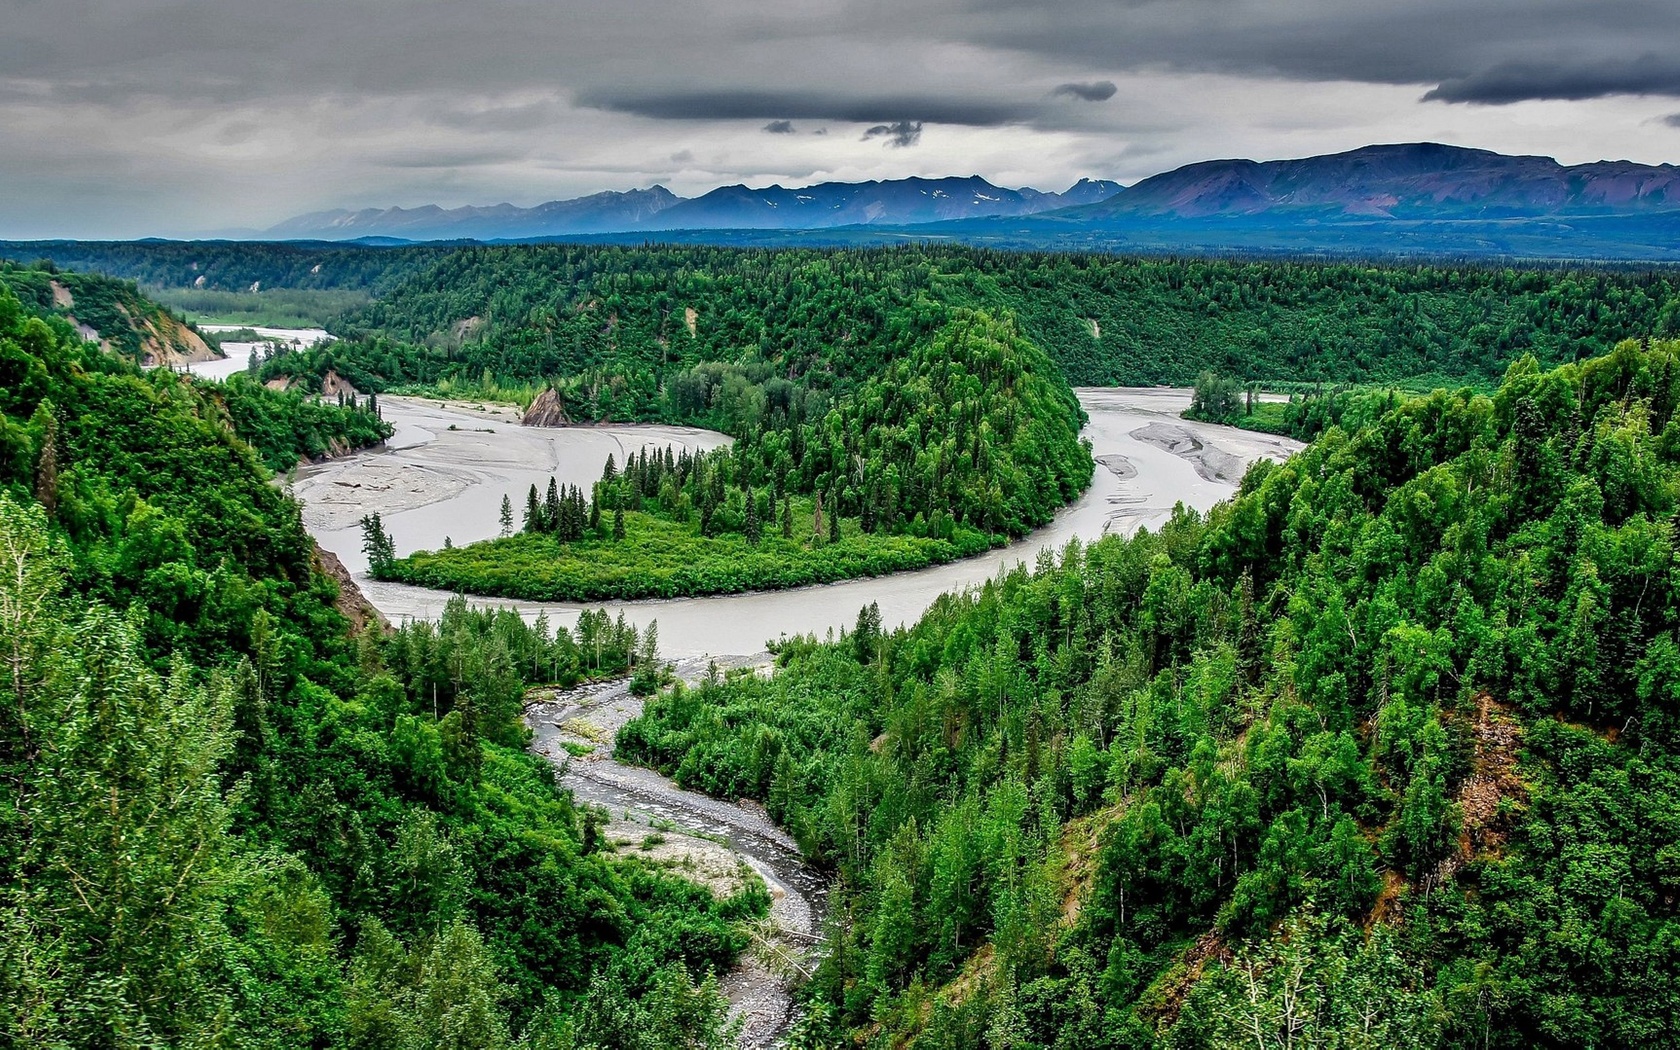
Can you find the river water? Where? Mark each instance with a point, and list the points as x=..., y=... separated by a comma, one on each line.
x=238, y=354
x=444, y=472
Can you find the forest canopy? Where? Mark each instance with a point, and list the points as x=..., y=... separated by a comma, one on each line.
x=1383, y=751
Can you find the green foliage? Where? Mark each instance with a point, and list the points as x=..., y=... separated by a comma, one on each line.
x=275, y=308
x=658, y=557
x=287, y=428
x=226, y=823
x=1317, y=984
x=1414, y=680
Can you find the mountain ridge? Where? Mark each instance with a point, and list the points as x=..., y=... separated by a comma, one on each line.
x=823, y=205
x=1423, y=180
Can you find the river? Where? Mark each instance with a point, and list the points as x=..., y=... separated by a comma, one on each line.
x=444, y=472
x=238, y=354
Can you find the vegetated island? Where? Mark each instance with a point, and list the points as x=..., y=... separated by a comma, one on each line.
x=970, y=440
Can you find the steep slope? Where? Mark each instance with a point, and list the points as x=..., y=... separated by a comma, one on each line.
x=225, y=822
x=112, y=313
x=1382, y=752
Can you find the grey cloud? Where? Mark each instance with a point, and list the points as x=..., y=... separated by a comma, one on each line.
x=519, y=117
x=1424, y=42
x=898, y=134
x=153, y=101
x=1093, y=91
x=421, y=157
x=779, y=127
x=1520, y=81
x=1672, y=120
x=809, y=105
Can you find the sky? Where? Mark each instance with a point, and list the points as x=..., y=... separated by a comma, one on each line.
x=130, y=118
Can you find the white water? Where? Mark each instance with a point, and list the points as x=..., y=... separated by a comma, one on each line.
x=431, y=482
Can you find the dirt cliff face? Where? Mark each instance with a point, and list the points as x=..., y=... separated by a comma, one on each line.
x=352, y=603
x=333, y=384
x=546, y=411
x=166, y=341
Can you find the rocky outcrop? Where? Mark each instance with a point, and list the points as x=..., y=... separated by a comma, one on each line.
x=547, y=411
x=351, y=602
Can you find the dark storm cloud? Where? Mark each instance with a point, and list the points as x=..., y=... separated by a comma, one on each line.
x=1094, y=91
x=1493, y=48
x=809, y=105
x=186, y=107
x=1520, y=81
x=897, y=134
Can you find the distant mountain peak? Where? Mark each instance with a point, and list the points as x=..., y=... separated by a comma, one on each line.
x=917, y=199
x=1417, y=180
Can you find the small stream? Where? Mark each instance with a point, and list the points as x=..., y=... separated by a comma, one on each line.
x=645, y=801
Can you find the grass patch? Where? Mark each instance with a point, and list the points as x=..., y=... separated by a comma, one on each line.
x=279, y=308
x=663, y=558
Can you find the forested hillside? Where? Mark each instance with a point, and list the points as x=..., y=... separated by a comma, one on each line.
x=794, y=353
x=542, y=311
x=1382, y=752
x=1103, y=319
x=226, y=822
x=110, y=311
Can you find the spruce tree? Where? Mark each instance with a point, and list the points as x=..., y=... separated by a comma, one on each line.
x=506, y=519
x=533, y=512
x=618, y=523
x=551, y=507
x=752, y=528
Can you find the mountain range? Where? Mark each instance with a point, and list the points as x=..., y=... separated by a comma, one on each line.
x=830, y=204
x=1409, y=199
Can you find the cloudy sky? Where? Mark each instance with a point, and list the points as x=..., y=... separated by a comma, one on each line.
x=123, y=118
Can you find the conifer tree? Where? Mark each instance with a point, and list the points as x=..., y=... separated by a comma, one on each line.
x=752, y=527
x=533, y=512
x=551, y=507
x=506, y=518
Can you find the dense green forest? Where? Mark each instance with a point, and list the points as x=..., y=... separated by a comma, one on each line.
x=227, y=822
x=540, y=312
x=127, y=322
x=1382, y=752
